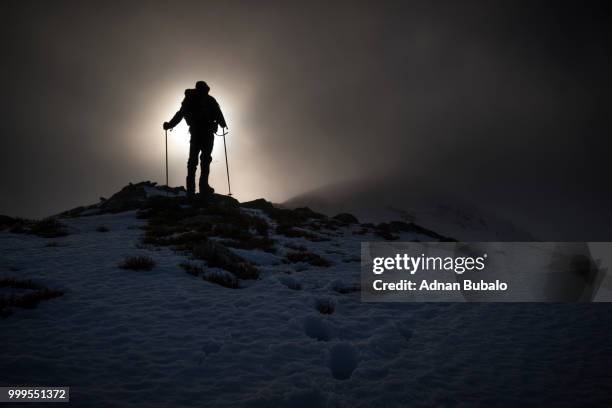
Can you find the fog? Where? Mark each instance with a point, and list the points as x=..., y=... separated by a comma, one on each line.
x=504, y=104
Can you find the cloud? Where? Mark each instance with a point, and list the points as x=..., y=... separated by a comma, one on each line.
x=491, y=100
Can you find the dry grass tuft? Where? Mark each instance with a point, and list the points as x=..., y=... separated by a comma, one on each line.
x=46, y=228
x=35, y=294
x=137, y=263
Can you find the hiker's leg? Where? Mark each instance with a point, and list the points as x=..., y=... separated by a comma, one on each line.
x=205, y=159
x=192, y=165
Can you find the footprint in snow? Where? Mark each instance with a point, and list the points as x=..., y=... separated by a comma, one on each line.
x=325, y=305
x=343, y=359
x=290, y=282
x=405, y=329
x=316, y=328
x=211, y=346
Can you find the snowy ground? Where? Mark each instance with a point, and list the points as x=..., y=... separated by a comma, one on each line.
x=166, y=338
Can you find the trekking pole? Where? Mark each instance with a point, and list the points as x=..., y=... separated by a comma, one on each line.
x=229, y=187
x=166, y=157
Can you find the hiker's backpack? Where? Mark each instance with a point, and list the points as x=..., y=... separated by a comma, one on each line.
x=199, y=110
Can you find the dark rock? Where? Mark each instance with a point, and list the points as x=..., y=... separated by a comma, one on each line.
x=128, y=198
x=307, y=257
x=306, y=213
x=221, y=201
x=346, y=218
x=75, y=212
x=180, y=190
x=385, y=231
x=259, y=204
x=389, y=230
x=284, y=216
x=6, y=222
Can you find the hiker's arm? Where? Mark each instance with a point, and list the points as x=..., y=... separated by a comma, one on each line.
x=178, y=116
x=220, y=119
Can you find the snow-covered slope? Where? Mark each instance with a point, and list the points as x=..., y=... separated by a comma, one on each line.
x=384, y=200
x=298, y=336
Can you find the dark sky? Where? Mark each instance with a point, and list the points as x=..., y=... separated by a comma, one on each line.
x=503, y=102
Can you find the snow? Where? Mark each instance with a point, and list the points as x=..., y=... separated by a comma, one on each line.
x=343, y=359
x=442, y=211
x=166, y=338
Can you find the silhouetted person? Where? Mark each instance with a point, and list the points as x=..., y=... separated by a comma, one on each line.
x=203, y=115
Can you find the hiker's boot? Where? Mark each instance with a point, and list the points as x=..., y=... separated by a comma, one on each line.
x=205, y=189
x=208, y=190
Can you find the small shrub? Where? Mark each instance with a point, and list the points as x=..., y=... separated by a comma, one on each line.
x=218, y=256
x=102, y=228
x=46, y=228
x=179, y=241
x=307, y=257
x=161, y=231
x=137, y=263
x=263, y=243
x=36, y=293
x=345, y=288
x=296, y=247
x=222, y=278
x=231, y=231
x=30, y=300
x=244, y=270
x=260, y=225
x=288, y=230
x=292, y=232
x=192, y=269
x=19, y=284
